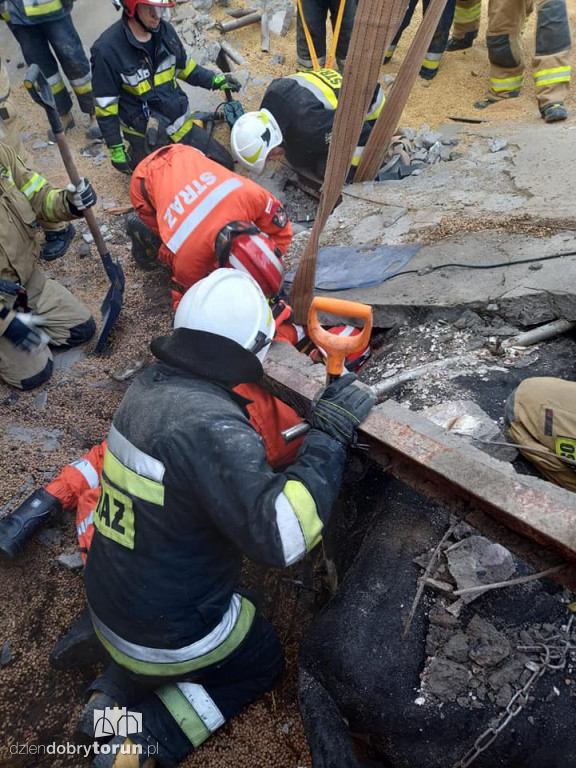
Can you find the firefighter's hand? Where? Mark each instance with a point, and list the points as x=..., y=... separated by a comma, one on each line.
x=23, y=331
x=119, y=158
x=81, y=197
x=341, y=408
x=226, y=83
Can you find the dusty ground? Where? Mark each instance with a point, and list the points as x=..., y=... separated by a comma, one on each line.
x=38, y=598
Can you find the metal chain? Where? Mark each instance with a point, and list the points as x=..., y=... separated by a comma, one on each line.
x=551, y=658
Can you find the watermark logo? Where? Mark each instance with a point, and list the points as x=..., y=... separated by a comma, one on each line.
x=116, y=721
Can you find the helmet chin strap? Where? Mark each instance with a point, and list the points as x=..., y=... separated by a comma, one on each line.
x=152, y=30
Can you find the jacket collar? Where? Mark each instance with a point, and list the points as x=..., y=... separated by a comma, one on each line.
x=130, y=35
x=207, y=356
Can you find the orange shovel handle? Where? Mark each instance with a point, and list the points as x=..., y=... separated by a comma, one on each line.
x=338, y=347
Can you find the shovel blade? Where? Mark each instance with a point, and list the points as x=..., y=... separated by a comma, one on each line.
x=112, y=304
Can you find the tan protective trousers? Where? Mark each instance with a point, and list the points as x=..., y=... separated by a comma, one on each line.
x=467, y=17
x=545, y=418
x=551, y=60
x=61, y=312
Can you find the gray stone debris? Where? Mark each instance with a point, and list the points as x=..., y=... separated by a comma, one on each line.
x=488, y=646
x=497, y=145
x=72, y=561
x=279, y=14
x=41, y=400
x=202, y=5
x=277, y=59
x=5, y=654
x=429, y=139
x=40, y=144
x=446, y=679
x=435, y=153
x=476, y=561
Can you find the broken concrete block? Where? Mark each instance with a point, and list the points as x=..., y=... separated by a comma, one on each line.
x=279, y=15
x=476, y=561
x=72, y=561
x=496, y=145
x=202, y=5
x=446, y=679
x=434, y=153
x=431, y=138
x=277, y=59
x=488, y=647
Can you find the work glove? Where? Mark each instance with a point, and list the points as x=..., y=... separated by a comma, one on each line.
x=119, y=158
x=341, y=408
x=80, y=198
x=225, y=83
x=23, y=331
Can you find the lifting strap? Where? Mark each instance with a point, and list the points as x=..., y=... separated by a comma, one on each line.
x=308, y=37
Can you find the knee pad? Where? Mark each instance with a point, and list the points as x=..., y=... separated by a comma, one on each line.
x=39, y=378
x=81, y=333
x=552, y=28
x=500, y=52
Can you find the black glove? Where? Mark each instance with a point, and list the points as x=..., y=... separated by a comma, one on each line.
x=226, y=83
x=341, y=408
x=81, y=197
x=23, y=331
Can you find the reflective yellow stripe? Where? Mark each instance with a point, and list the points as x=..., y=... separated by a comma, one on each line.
x=57, y=87
x=236, y=636
x=319, y=86
x=188, y=69
x=551, y=76
x=187, y=126
x=131, y=132
x=49, y=204
x=33, y=185
x=164, y=77
x=82, y=88
x=500, y=85
x=43, y=8
x=428, y=64
x=137, y=90
x=467, y=15
x=305, y=510
x=186, y=717
x=132, y=483
x=106, y=111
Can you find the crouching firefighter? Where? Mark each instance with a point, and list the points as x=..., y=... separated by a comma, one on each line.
x=135, y=64
x=186, y=492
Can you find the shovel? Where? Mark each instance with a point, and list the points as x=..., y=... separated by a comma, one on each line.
x=337, y=348
x=39, y=89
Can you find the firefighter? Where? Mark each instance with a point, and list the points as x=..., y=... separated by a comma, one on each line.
x=296, y=118
x=315, y=14
x=188, y=202
x=467, y=23
x=429, y=68
x=551, y=60
x=34, y=311
x=186, y=492
x=47, y=36
x=58, y=234
x=135, y=63
x=540, y=414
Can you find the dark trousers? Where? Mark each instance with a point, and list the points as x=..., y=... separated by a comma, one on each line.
x=440, y=38
x=316, y=13
x=50, y=42
x=231, y=686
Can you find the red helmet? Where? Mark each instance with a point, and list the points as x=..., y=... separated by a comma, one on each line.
x=241, y=245
x=130, y=5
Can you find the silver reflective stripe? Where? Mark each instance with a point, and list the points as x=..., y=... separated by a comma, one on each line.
x=201, y=211
x=169, y=61
x=174, y=655
x=81, y=80
x=433, y=56
x=135, y=79
x=83, y=526
x=314, y=89
x=133, y=458
x=376, y=104
x=291, y=536
x=90, y=474
x=177, y=124
x=204, y=706
x=263, y=245
x=54, y=80
x=106, y=101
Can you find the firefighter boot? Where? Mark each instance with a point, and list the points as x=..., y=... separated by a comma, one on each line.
x=461, y=43
x=145, y=243
x=17, y=529
x=90, y=727
x=57, y=242
x=124, y=753
x=79, y=647
x=553, y=113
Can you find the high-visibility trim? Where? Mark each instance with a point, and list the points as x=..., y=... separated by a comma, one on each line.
x=357, y=155
x=133, y=458
x=33, y=8
x=56, y=83
x=211, y=649
x=51, y=198
x=169, y=62
x=299, y=525
x=193, y=709
x=131, y=131
x=164, y=77
x=106, y=101
x=189, y=67
x=377, y=103
x=270, y=255
x=182, y=130
x=87, y=470
x=106, y=111
x=501, y=85
x=467, y=15
x=430, y=62
x=550, y=76
x=138, y=90
x=318, y=88
x=82, y=527
x=131, y=482
x=33, y=185
x=201, y=211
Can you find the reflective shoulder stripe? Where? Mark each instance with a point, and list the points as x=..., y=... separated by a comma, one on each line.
x=213, y=648
x=297, y=519
x=134, y=458
x=90, y=474
x=317, y=88
x=193, y=709
x=33, y=185
x=82, y=527
x=202, y=210
x=131, y=482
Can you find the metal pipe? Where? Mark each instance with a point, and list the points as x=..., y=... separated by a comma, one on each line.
x=542, y=333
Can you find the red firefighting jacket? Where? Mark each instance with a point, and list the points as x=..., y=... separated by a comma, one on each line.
x=186, y=199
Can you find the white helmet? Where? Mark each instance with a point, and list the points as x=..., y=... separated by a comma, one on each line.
x=229, y=303
x=253, y=135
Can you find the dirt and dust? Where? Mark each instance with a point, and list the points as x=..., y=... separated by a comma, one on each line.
x=43, y=431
